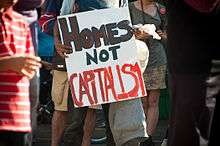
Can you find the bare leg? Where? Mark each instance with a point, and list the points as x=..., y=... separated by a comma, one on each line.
x=89, y=126
x=58, y=125
x=151, y=109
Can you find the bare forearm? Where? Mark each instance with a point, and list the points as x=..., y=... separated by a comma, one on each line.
x=5, y=63
x=56, y=34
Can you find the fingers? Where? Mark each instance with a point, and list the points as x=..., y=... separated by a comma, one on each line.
x=63, y=55
x=64, y=48
x=32, y=57
x=28, y=73
x=34, y=63
x=31, y=67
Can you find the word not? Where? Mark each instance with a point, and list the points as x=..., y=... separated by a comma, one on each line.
x=103, y=55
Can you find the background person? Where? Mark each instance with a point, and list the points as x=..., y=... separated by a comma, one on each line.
x=149, y=12
x=191, y=49
x=17, y=65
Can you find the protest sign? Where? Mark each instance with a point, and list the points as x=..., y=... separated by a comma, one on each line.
x=103, y=67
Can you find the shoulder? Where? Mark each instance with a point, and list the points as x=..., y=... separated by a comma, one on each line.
x=14, y=18
x=19, y=19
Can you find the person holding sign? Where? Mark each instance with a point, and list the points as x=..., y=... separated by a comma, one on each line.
x=88, y=88
x=148, y=17
x=69, y=7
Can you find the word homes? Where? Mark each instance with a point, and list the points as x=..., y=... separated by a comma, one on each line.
x=89, y=37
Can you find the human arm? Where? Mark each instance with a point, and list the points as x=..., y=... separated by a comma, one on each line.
x=25, y=65
x=61, y=49
x=46, y=65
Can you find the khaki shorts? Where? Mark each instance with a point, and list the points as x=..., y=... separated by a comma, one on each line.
x=60, y=88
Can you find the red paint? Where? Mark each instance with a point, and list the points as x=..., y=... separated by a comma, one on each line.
x=109, y=83
x=84, y=89
x=141, y=81
x=123, y=95
x=99, y=71
x=89, y=76
x=133, y=92
x=106, y=81
x=78, y=103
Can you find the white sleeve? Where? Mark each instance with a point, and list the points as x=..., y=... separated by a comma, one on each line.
x=67, y=7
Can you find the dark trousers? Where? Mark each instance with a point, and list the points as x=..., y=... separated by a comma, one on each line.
x=9, y=138
x=214, y=91
x=74, y=133
x=190, y=52
x=45, y=82
x=214, y=130
x=188, y=110
x=110, y=139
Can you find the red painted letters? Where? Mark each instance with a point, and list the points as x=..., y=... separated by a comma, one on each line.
x=103, y=80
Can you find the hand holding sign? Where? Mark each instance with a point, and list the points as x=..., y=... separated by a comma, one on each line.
x=104, y=66
x=62, y=50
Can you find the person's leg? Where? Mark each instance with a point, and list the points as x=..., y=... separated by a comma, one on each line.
x=60, y=90
x=189, y=59
x=155, y=79
x=34, y=86
x=89, y=126
x=74, y=132
x=59, y=121
x=188, y=106
x=110, y=139
x=151, y=110
x=19, y=139
x=10, y=138
x=152, y=114
x=34, y=98
x=213, y=139
x=4, y=138
x=213, y=91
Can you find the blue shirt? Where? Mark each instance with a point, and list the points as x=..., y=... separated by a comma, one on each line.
x=45, y=45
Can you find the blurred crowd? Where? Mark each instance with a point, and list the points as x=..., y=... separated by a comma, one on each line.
x=184, y=58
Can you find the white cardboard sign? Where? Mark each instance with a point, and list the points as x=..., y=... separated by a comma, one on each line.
x=103, y=67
